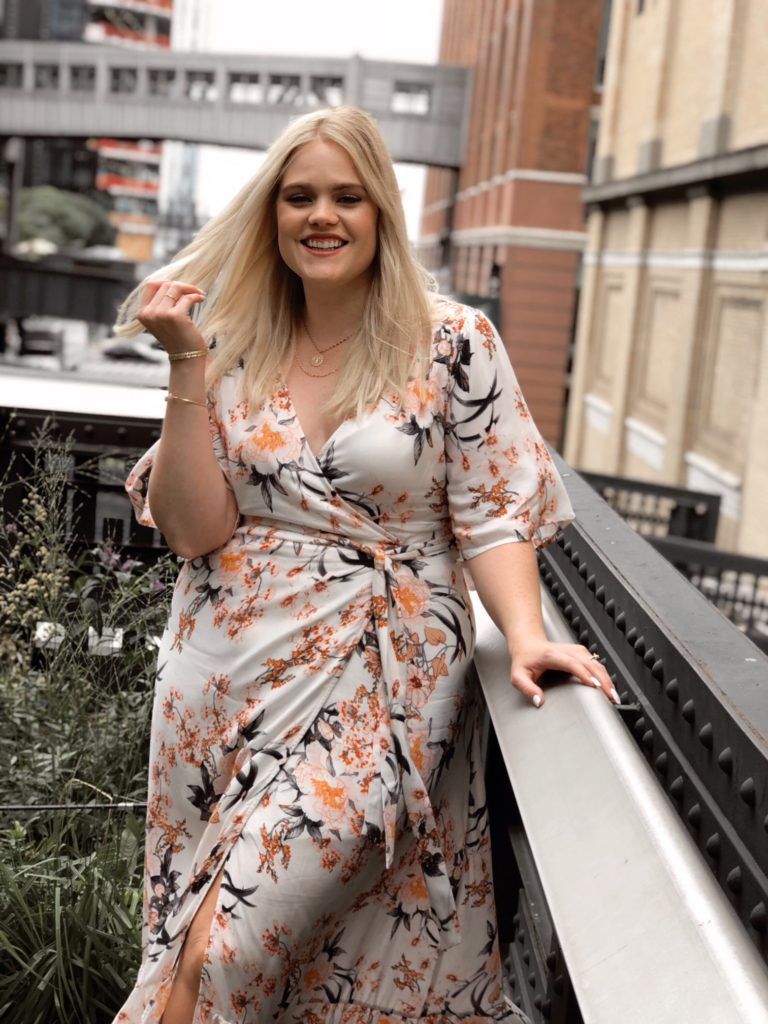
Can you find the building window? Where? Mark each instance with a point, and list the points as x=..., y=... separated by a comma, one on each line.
x=161, y=82
x=124, y=81
x=11, y=76
x=201, y=86
x=245, y=88
x=82, y=78
x=285, y=89
x=410, y=98
x=326, y=91
x=46, y=76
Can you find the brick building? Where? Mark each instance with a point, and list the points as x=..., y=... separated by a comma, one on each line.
x=670, y=380
x=511, y=222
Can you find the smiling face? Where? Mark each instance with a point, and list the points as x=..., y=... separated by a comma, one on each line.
x=326, y=221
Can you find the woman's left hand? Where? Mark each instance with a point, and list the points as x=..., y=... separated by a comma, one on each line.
x=531, y=660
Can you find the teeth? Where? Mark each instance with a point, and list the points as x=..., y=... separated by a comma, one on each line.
x=317, y=244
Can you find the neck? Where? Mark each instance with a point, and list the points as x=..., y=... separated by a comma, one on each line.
x=328, y=312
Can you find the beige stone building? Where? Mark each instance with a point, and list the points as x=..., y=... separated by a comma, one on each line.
x=670, y=379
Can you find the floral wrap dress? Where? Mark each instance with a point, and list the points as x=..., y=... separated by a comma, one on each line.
x=315, y=733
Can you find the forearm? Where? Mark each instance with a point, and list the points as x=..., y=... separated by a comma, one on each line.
x=507, y=582
x=190, y=500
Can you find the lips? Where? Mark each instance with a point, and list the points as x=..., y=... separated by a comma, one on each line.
x=319, y=244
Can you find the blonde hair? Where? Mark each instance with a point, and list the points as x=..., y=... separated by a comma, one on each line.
x=255, y=302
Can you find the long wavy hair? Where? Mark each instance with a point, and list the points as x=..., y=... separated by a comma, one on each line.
x=255, y=302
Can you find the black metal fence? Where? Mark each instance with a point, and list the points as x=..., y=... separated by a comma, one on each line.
x=659, y=510
x=736, y=584
x=698, y=686
x=100, y=453
x=695, y=698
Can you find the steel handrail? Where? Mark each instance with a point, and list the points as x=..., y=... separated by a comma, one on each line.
x=645, y=930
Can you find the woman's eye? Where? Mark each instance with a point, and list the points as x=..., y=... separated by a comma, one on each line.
x=349, y=200
x=298, y=199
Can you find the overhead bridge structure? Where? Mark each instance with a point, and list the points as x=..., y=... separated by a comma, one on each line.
x=79, y=90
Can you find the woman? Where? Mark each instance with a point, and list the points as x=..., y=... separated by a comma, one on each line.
x=317, y=847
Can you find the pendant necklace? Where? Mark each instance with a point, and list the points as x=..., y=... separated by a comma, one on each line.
x=319, y=358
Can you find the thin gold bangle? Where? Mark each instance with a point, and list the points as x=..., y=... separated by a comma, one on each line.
x=196, y=353
x=189, y=401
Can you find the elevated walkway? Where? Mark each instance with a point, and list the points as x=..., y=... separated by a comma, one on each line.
x=79, y=90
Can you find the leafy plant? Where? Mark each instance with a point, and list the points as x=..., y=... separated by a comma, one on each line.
x=69, y=922
x=63, y=217
x=74, y=727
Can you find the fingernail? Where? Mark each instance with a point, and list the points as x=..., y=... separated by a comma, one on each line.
x=595, y=682
x=614, y=696
x=536, y=700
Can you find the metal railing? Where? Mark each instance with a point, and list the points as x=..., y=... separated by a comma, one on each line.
x=655, y=509
x=735, y=584
x=619, y=917
x=630, y=854
x=102, y=450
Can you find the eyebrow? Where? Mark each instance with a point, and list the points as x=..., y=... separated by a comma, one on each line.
x=336, y=188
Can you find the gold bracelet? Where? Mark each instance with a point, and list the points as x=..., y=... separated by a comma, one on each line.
x=196, y=353
x=189, y=401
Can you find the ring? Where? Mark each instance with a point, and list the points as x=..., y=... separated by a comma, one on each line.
x=595, y=657
x=173, y=298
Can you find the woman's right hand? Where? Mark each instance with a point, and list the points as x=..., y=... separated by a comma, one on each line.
x=165, y=312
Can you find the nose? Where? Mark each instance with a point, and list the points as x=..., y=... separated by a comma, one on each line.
x=323, y=211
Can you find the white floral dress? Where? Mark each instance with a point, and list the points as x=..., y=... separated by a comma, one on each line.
x=315, y=737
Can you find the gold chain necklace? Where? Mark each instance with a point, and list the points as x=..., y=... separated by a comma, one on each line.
x=304, y=370
x=319, y=358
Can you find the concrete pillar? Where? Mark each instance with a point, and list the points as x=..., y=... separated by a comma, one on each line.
x=715, y=129
x=650, y=156
x=637, y=243
x=583, y=357
x=753, y=534
x=702, y=223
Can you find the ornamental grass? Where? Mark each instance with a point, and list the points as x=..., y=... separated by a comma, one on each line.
x=74, y=729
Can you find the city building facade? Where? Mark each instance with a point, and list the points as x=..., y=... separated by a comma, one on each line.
x=670, y=377
x=178, y=220
x=129, y=173
x=509, y=225
x=124, y=177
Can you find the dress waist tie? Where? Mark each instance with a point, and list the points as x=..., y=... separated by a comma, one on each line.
x=397, y=775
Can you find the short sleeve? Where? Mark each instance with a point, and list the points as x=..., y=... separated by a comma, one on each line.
x=137, y=481
x=502, y=485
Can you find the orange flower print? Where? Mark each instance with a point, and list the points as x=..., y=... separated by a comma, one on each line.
x=408, y=977
x=498, y=498
x=420, y=687
x=412, y=894
x=433, y=636
x=323, y=797
x=423, y=400
x=317, y=975
x=412, y=597
x=483, y=326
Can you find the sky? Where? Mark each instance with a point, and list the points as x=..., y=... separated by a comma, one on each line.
x=404, y=30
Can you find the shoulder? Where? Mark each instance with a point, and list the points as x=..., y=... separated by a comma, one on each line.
x=464, y=328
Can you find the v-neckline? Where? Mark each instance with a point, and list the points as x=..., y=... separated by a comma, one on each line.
x=316, y=455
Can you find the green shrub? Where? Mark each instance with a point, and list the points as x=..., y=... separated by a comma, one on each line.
x=69, y=921
x=74, y=729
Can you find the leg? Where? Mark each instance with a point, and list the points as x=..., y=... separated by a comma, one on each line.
x=180, y=1007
